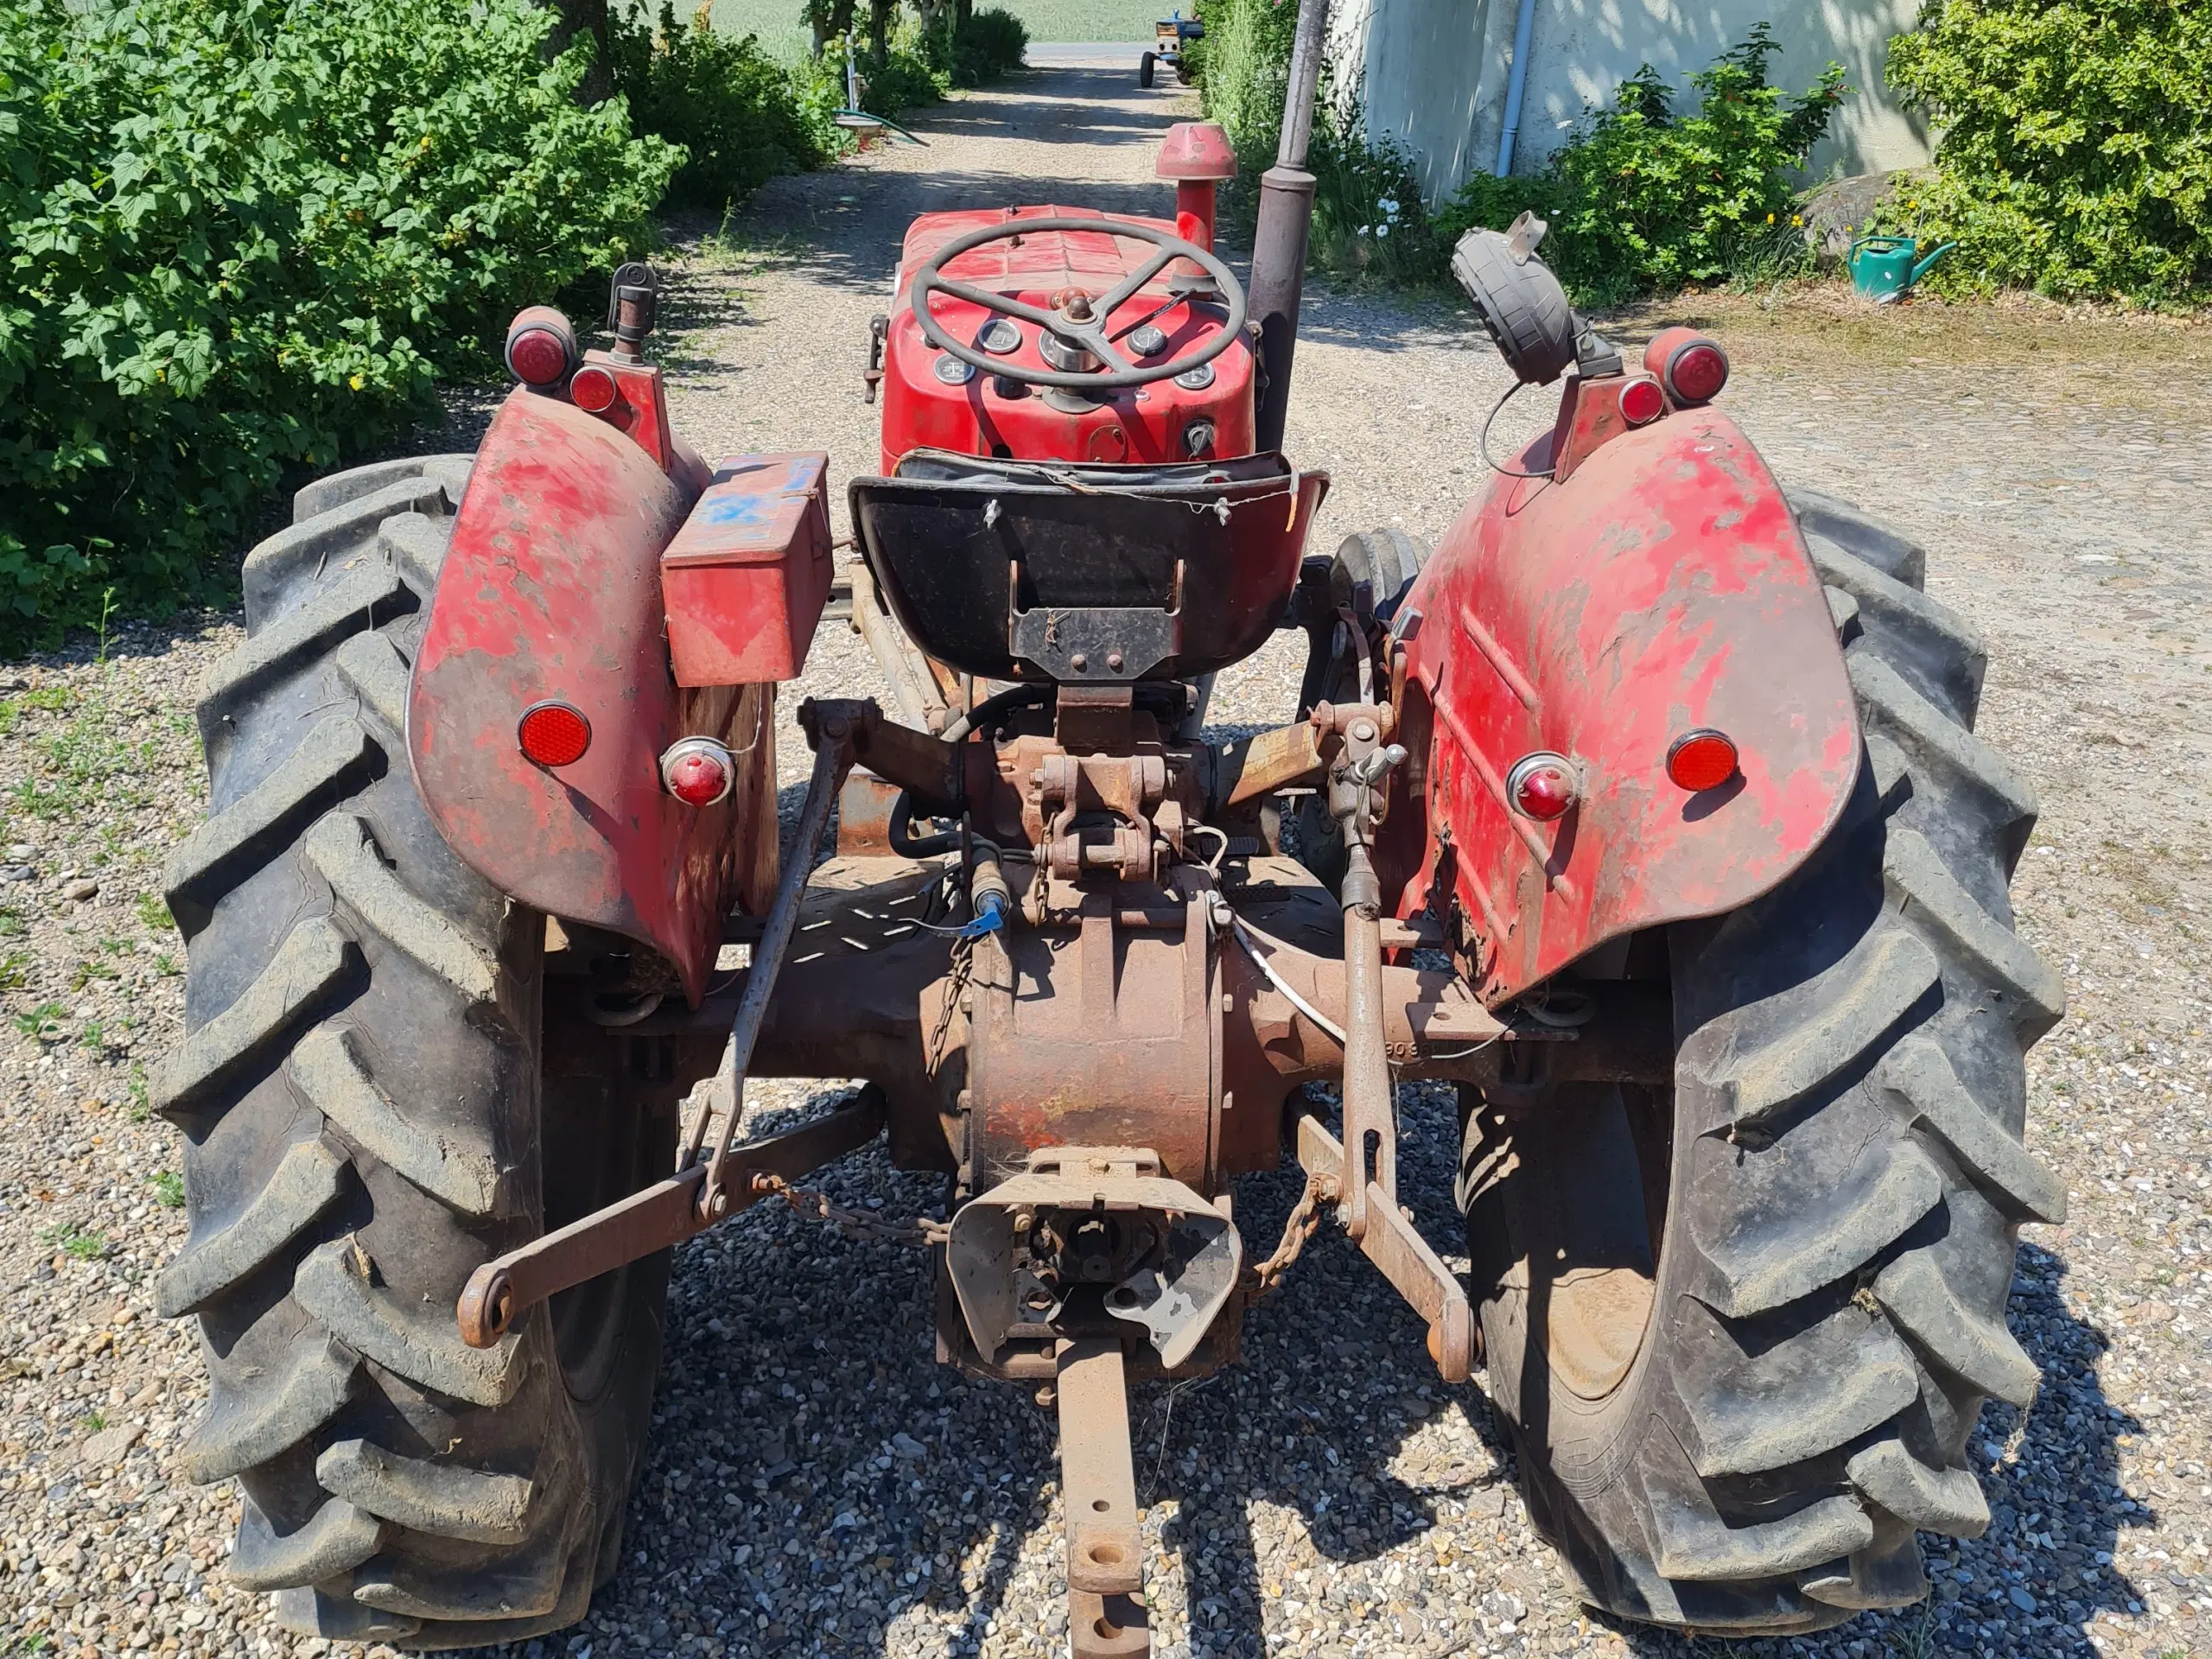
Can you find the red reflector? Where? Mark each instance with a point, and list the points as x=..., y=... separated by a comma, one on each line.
x=698, y=771
x=1701, y=759
x=1642, y=401
x=593, y=390
x=1697, y=372
x=554, y=733
x=1542, y=785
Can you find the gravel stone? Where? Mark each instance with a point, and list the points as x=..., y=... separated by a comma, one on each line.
x=1329, y=1497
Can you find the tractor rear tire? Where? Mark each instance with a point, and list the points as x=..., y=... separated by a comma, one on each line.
x=365, y=1120
x=1740, y=1329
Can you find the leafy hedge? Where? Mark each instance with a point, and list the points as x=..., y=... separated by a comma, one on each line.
x=2076, y=154
x=729, y=104
x=985, y=45
x=243, y=236
x=1643, y=196
x=1646, y=197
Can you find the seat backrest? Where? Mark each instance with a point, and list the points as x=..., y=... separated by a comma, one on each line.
x=1027, y=570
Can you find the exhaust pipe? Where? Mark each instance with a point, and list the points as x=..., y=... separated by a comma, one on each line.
x=1285, y=218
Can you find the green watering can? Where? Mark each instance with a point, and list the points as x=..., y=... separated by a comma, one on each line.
x=1883, y=267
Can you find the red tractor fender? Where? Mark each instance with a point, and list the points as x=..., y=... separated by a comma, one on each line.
x=1662, y=590
x=552, y=589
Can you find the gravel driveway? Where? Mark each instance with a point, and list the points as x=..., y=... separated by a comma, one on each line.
x=817, y=1484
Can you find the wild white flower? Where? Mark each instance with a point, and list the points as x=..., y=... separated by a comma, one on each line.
x=1390, y=205
x=1382, y=230
x=1364, y=229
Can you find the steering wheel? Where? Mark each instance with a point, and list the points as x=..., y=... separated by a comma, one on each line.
x=1081, y=322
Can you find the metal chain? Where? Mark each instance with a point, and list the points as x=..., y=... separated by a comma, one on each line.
x=920, y=1233
x=1305, y=1220
x=963, y=966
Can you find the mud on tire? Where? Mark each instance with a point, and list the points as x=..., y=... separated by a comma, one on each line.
x=1740, y=1329
x=365, y=1122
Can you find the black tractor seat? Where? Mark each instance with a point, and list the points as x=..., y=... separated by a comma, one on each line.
x=1079, y=571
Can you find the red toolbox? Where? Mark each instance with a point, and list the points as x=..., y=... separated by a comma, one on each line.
x=746, y=579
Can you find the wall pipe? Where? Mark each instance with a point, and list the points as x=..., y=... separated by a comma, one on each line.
x=1516, y=83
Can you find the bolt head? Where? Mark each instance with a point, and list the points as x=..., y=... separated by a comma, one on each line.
x=1363, y=731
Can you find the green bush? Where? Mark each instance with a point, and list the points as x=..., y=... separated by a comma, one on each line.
x=243, y=236
x=1368, y=217
x=986, y=45
x=1647, y=198
x=1244, y=68
x=2076, y=154
x=906, y=79
x=734, y=108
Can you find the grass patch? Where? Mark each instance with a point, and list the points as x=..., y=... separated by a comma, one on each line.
x=80, y=1244
x=43, y=1022
x=169, y=1189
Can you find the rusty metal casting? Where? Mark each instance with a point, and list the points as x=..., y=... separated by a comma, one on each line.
x=1105, y=1534
x=1091, y=1240
x=664, y=1213
x=1110, y=1036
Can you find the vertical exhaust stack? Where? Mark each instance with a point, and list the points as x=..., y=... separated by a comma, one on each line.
x=1286, y=217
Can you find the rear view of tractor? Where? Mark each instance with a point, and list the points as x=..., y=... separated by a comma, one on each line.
x=1646, y=810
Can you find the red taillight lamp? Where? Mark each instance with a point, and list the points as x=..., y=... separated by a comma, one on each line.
x=698, y=771
x=1691, y=367
x=553, y=732
x=541, y=348
x=1701, y=759
x=1542, y=785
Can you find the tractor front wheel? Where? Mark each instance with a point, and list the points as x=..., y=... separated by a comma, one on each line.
x=368, y=1117
x=1740, y=1328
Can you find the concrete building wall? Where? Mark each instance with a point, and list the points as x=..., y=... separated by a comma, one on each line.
x=1434, y=73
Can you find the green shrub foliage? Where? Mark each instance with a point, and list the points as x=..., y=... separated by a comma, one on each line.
x=2076, y=154
x=985, y=45
x=733, y=107
x=243, y=236
x=1646, y=197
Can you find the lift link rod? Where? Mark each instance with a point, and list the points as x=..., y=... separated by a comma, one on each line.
x=700, y=1194
x=1106, y=1609
x=830, y=726
x=1355, y=786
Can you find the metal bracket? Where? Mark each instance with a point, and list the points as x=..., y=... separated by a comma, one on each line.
x=1096, y=643
x=1414, y=1271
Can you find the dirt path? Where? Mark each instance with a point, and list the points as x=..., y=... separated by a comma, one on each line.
x=817, y=1484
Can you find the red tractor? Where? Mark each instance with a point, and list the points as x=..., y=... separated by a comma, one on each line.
x=1646, y=809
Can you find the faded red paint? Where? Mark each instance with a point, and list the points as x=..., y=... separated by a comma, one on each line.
x=746, y=579
x=1665, y=587
x=1148, y=424
x=551, y=589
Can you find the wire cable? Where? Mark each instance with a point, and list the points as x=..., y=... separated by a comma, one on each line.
x=1509, y=471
